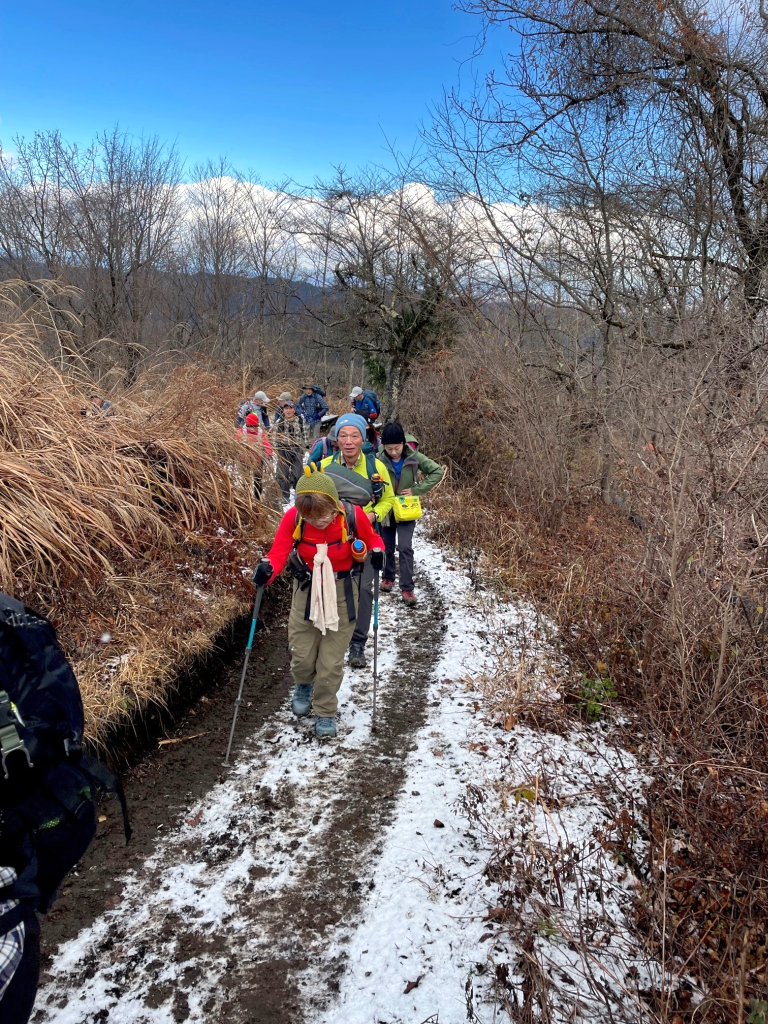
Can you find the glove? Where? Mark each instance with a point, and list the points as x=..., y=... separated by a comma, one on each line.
x=377, y=559
x=262, y=573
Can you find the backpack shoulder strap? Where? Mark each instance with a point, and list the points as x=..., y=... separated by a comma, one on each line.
x=298, y=527
x=350, y=514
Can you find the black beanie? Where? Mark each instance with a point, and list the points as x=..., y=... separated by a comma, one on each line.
x=393, y=433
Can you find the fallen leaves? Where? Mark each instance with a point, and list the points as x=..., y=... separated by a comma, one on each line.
x=412, y=985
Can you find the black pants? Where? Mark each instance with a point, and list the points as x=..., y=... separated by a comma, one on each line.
x=19, y=999
x=290, y=466
x=365, y=605
x=403, y=534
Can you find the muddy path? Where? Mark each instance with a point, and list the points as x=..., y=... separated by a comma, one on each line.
x=228, y=893
x=165, y=779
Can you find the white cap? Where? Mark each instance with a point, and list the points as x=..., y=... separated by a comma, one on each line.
x=261, y=397
x=355, y=392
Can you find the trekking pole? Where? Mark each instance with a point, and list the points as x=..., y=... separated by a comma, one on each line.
x=375, y=644
x=239, y=700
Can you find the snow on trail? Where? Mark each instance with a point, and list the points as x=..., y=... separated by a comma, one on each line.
x=439, y=934
x=427, y=948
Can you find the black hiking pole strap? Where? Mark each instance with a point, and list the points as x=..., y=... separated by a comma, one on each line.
x=375, y=643
x=110, y=783
x=238, y=701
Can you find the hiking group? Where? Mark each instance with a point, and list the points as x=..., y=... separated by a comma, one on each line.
x=349, y=491
x=357, y=500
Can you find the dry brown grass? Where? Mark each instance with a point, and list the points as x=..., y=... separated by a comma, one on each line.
x=137, y=525
x=669, y=602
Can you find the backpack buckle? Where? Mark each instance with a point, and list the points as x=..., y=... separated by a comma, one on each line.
x=10, y=740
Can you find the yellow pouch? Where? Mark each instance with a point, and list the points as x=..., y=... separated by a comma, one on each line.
x=407, y=507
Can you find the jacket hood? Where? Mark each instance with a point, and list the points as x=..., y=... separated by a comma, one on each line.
x=408, y=450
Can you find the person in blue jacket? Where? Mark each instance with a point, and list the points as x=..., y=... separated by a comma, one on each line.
x=312, y=406
x=365, y=404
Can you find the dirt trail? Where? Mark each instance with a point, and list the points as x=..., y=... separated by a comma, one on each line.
x=235, y=881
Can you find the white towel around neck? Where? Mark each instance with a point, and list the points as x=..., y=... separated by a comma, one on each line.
x=323, y=607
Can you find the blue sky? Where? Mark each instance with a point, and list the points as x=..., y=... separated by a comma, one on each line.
x=286, y=90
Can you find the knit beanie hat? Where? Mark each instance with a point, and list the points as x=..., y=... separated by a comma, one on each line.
x=315, y=482
x=351, y=419
x=393, y=433
x=251, y=420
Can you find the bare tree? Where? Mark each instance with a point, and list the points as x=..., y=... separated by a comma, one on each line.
x=123, y=218
x=663, y=78
x=215, y=259
x=392, y=250
x=271, y=253
x=105, y=219
x=35, y=237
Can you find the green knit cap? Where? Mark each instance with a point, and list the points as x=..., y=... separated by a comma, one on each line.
x=315, y=482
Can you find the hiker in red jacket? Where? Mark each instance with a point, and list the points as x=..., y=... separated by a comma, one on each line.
x=254, y=434
x=315, y=540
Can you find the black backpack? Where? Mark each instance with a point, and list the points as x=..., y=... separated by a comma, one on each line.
x=48, y=785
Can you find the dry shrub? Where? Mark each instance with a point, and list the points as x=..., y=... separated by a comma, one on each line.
x=663, y=592
x=135, y=525
x=502, y=431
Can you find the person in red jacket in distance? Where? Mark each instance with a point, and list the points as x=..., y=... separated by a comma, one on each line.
x=314, y=541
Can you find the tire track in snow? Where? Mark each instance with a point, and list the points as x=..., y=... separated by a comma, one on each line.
x=226, y=915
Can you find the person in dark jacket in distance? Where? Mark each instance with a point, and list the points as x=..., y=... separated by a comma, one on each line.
x=258, y=405
x=412, y=475
x=290, y=437
x=312, y=406
x=362, y=404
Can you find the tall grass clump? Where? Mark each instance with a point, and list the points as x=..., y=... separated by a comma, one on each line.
x=132, y=530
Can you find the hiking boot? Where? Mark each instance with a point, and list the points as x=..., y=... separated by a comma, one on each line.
x=409, y=598
x=302, y=700
x=325, y=728
x=357, y=655
x=386, y=586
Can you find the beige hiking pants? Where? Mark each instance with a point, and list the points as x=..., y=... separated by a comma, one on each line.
x=318, y=659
